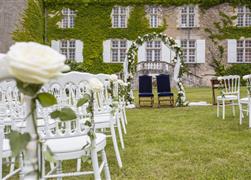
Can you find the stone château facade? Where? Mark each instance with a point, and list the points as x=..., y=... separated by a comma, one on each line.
x=186, y=24
x=10, y=14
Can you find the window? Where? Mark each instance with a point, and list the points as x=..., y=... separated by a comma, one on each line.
x=119, y=17
x=187, y=16
x=68, y=20
x=118, y=50
x=153, y=20
x=243, y=16
x=68, y=48
x=244, y=51
x=189, y=50
x=153, y=51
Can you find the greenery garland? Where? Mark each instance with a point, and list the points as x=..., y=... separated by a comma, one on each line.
x=168, y=41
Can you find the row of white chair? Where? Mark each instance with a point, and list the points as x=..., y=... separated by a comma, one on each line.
x=70, y=140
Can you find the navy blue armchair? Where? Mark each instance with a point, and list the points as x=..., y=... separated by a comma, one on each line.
x=145, y=90
x=164, y=89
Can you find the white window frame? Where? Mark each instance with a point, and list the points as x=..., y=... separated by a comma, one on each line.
x=243, y=52
x=68, y=20
x=243, y=16
x=152, y=51
x=68, y=49
x=186, y=50
x=186, y=14
x=153, y=12
x=120, y=14
x=119, y=50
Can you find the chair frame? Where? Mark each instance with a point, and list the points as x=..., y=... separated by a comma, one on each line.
x=146, y=99
x=231, y=87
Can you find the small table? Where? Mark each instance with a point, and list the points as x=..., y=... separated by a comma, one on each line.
x=215, y=85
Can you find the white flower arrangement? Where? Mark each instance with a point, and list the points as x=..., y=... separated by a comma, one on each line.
x=113, y=77
x=35, y=63
x=95, y=85
x=120, y=82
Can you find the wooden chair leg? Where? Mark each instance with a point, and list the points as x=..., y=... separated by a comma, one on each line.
x=158, y=102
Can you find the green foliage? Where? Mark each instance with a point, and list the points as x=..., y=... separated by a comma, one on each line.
x=83, y=100
x=18, y=142
x=239, y=69
x=65, y=114
x=46, y=99
x=32, y=24
x=204, y=3
x=28, y=89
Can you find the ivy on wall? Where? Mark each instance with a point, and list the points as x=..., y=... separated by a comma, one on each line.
x=93, y=25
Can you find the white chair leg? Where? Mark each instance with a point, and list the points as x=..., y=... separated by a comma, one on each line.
x=218, y=108
x=21, y=165
x=223, y=109
x=124, y=115
x=241, y=114
x=233, y=108
x=120, y=134
x=106, y=166
x=122, y=122
x=115, y=145
x=78, y=165
x=59, y=169
x=94, y=158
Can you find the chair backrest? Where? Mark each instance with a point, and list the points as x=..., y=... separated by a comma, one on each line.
x=69, y=88
x=163, y=83
x=105, y=79
x=247, y=78
x=145, y=84
x=231, y=84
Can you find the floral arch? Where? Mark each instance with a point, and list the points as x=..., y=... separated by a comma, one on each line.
x=130, y=63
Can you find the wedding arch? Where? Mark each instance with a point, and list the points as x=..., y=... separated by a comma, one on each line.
x=130, y=63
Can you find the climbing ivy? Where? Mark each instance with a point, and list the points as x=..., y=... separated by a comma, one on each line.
x=93, y=25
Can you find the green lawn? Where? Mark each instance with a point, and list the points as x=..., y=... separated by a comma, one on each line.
x=183, y=143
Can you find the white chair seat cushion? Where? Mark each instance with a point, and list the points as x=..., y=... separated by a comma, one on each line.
x=73, y=144
x=244, y=100
x=227, y=97
x=103, y=118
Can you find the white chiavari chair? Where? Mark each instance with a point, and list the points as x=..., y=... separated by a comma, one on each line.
x=104, y=119
x=230, y=93
x=69, y=140
x=246, y=101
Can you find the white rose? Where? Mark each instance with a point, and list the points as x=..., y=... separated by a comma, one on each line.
x=95, y=85
x=113, y=77
x=120, y=82
x=34, y=63
x=125, y=84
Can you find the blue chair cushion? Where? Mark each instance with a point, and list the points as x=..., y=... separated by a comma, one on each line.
x=165, y=94
x=145, y=94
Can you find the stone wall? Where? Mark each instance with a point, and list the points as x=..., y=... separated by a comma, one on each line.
x=206, y=20
x=10, y=14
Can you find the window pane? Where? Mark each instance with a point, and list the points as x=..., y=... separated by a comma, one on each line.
x=240, y=55
x=191, y=9
x=149, y=55
x=185, y=55
x=240, y=20
x=184, y=43
x=122, y=54
x=153, y=21
x=240, y=9
x=191, y=52
x=72, y=44
x=71, y=54
x=248, y=55
x=184, y=10
x=191, y=59
x=157, y=44
x=157, y=55
x=116, y=10
x=115, y=21
x=248, y=19
x=123, y=10
x=192, y=44
x=123, y=44
x=65, y=22
x=65, y=11
x=191, y=20
x=115, y=44
x=72, y=21
x=64, y=44
x=122, y=21
x=64, y=52
x=184, y=19
x=115, y=55
x=240, y=43
x=149, y=44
